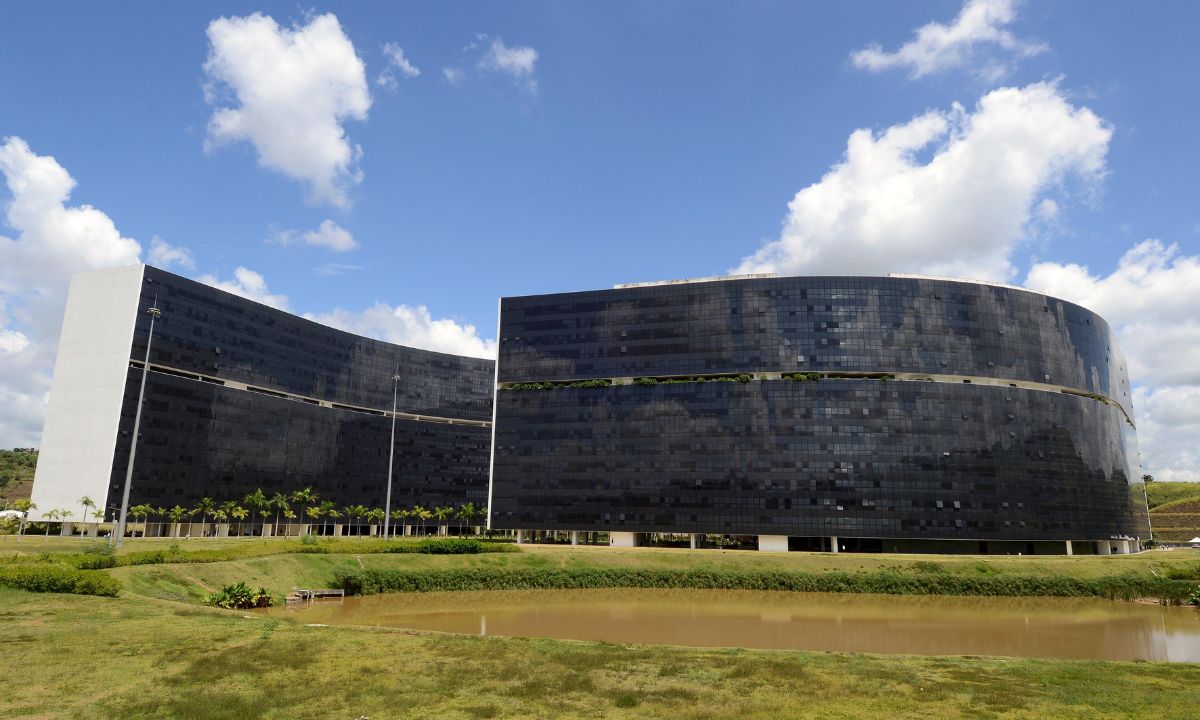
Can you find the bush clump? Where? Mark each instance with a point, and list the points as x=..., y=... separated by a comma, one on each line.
x=239, y=596
x=58, y=578
x=890, y=582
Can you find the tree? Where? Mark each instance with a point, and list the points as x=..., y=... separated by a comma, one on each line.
x=305, y=498
x=141, y=511
x=313, y=512
x=258, y=503
x=23, y=506
x=327, y=508
x=88, y=504
x=48, y=516
x=398, y=515
x=176, y=514
x=205, y=507
x=421, y=514
x=375, y=516
x=333, y=514
x=1147, y=478
x=279, y=501
x=466, y=512
x=66, y=515
x=239, y=514
x=443, y=514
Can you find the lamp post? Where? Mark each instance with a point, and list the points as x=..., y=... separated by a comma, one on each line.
x=154, y=313
x=387, y=503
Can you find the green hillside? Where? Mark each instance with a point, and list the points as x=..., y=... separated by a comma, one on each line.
x=1174, y=510
x=16, y=474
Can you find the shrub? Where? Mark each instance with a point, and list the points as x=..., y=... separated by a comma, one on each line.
x=58, y=579
x=1128, y=587
x=239, y=596
x=1194, y=598
x=645, y=381
x=744, y=378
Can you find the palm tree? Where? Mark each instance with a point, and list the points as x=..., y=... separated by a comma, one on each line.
x=88, y=504
x=239, y=514
x=423, y=515
x=279, y=501
x=442, y=514
x=176, y=514
x=304, y=498
x=375, y=516
x=313, y=512
x=398, y=515
x=289, y=514
x=160, y=513
x=333, y=514
x=205, y=507
x=327, y=509
x=141, y=511
x=48, y=516
x=219, y=516
x=23, y=506
x=466, y=511
x=258, y=503
x=66, y=514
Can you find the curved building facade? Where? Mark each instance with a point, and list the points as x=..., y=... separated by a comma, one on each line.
x=241, y=396
x=893, y=413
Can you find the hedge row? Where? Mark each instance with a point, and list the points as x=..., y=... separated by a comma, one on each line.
x=1125, y=587
x=58, y=579
x=99, y=559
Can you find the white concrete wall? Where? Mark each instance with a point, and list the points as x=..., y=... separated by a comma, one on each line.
x=80, y=435
x=622, y=539
x=773, y=543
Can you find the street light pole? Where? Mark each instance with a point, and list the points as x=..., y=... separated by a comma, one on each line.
x=154, y=313
x=387, y=503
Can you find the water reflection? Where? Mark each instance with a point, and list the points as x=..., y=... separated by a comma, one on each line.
x=1023, y=627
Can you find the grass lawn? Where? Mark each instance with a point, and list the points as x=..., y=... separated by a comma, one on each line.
x=137, y=657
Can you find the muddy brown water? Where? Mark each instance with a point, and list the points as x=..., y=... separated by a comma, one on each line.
x=1020, y=627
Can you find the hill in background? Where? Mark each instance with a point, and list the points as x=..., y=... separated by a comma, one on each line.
x=16, y=474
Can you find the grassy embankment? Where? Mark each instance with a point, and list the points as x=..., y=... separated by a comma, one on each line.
x=136, y=657
x=1174, y=510
x=140, y=655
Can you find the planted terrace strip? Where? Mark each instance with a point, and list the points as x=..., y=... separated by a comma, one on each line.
x=887, y=582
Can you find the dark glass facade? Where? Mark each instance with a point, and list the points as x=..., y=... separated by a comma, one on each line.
x=242, y=396
x=939, y=458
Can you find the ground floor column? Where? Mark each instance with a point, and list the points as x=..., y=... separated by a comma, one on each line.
x=1070, y=550
x=833, y=543
x=692, y=540
x=520, y=537
x=574, y=537
x=1103, y=548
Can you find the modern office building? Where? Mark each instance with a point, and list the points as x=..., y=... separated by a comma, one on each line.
x=892, y=413
x=241, y=396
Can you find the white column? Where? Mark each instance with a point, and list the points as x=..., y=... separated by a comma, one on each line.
x=833, y=543
x=1070, y=550
x=337, y=529
x=1124, y=547
x=773, y=543
x=574, y=537
x=692, y=540
x=622, y=539
x=1103, y=548
x=520, y=537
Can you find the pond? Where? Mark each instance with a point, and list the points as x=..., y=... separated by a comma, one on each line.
x=926, y=625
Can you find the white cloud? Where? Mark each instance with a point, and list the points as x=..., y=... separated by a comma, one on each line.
x=397, y=62
x=164, y=255
x=453, y=75
x=334, y=269
x=884, y=208
x=292, y=90
x=937, y=47
x=53, y=240
x=328, y=235
x=1152, y=300
x=248, y=284
x=411, y=326
x=517, y=62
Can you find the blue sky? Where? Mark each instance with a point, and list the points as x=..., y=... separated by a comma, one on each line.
x=551, y=146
